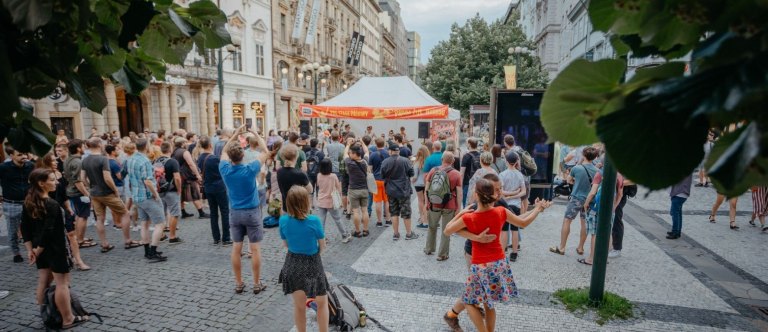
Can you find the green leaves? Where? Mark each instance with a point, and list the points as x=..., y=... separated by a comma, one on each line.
x=735, y=162
x=29, y=134
x=462, y=68
x=577, y=97
x=29, y=15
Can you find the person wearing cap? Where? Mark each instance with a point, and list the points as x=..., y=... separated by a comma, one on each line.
x=191, y=178
x=397, y=172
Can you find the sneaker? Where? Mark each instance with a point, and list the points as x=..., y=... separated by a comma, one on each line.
x=388, y=222
x=4, y=294
x=18, y=259
x=422, y=226
x=165, y=237
x=614, y=254
x=453, y=323
x=184, y=214
x=226, y=243
x=204, y=215
x=175, y=240
x=346, y=239
x=513, y=257
x=216, y=243
x=379, y=224
x=412, y=236
x=395, y=237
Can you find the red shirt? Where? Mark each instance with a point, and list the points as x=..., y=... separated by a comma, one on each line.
x=454, y=179
x=476, y=223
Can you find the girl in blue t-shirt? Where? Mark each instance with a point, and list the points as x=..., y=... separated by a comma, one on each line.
x=302, y=275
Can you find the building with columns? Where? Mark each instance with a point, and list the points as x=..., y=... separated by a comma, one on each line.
x=188, y=98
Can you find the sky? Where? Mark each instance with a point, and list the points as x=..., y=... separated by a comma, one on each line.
x=432, y=19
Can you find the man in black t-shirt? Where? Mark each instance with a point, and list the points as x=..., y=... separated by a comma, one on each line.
x=467, y=168
x=289, y=176
x=171, y=196
x=14, y=179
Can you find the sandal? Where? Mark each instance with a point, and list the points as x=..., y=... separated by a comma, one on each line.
x=556, y=250
x=87, y=239
x=442, y=258
x=752, y=222
x=258, y=288
x=78, y=320
x=132, y=244
x=580, y=252
x=239, y=288
x=765, y=229
x=365, y=233
x=357, y=234
x=86, y=244
x=107, y=248
x=712, y=219
x=733, y=225
x=583, y=261
x=82, y=267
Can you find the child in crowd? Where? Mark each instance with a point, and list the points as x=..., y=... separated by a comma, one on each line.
x=302, y=275
x=490, y=280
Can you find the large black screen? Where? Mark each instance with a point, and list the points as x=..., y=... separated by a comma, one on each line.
x=517, y=113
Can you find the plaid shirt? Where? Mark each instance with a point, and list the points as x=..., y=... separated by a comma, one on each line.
x=139, y=169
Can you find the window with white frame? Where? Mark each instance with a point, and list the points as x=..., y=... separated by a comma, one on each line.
x=259, y=59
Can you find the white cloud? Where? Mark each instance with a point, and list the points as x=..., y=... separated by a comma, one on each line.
x=432, y=19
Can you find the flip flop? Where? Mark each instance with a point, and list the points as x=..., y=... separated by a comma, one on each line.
x=556, y=250
x=78, y=320
x=85, y=244
x=583, y=261
x=259, y=288
x=579, y=252
x=107, y=248
x=132, y=244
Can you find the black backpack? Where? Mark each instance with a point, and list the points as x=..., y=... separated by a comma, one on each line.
x=52, y=317
x=475, y=165
x=313, y=163
x=345, y=311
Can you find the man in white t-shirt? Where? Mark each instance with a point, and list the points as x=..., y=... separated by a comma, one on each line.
x=512, y=189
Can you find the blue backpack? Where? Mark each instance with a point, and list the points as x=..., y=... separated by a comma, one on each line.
x=271, y=222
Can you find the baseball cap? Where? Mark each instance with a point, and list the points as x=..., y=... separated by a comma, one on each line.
x=394, y=147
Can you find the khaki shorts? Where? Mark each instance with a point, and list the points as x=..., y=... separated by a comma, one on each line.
x=113, y=202
x=358, y=198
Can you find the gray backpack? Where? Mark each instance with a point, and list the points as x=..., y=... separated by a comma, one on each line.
x=440, y=187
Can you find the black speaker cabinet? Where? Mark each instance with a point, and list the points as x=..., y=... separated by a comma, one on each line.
x=304, y=127
x=423, y=129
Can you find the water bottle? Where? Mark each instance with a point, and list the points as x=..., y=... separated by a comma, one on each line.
x=362, y=318
x=312, y=304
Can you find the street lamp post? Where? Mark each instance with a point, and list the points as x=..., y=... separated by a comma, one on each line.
x=232, y=49
x=516, y=52
x=313, y=72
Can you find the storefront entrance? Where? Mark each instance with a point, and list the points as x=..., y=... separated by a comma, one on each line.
x=131, y=113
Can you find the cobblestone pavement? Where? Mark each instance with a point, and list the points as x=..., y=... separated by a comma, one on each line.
x=409, y=291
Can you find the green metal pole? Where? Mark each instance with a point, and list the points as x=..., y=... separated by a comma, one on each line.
x=604, y=222
x=220, y=82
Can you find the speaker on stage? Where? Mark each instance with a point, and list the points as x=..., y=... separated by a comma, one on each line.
x=423, y=129
x=304, y=127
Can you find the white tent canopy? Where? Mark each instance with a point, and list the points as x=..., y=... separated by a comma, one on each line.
x=383, y=92
x=389, y=92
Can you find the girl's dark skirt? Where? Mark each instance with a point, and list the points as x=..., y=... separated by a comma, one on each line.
x=305, y=273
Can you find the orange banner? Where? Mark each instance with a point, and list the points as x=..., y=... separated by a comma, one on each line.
x=354, y=112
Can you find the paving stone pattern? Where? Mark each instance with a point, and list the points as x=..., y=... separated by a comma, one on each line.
x=403, y=288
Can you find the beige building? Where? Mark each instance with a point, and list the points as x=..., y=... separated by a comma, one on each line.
x=326, y=42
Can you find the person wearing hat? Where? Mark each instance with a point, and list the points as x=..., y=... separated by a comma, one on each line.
x=397, y=172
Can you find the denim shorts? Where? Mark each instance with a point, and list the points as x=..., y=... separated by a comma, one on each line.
x=592, y=222
x=246, y=222
x=575, y=207
x=82, y=210
x=151, y=210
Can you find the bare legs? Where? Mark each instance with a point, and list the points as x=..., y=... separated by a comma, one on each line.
x=44, y=278
x=76, y=250
x=422, y=208
x=235, y=257
x=300, y=311
x=566, y=230
x=482, y=325
x=731, y=207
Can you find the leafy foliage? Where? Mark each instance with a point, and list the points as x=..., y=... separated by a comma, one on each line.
x=76, y=45
x=655, y=124
x=463, y=68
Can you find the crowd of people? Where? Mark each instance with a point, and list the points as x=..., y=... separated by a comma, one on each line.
x=146, y=180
